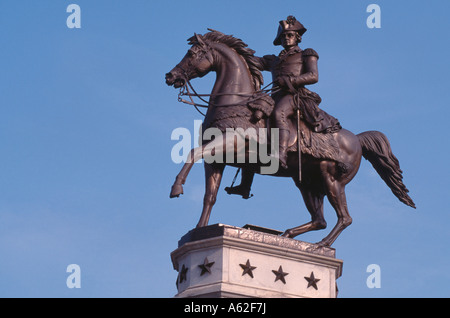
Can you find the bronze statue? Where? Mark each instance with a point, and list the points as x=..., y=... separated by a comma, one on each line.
x=319, y=155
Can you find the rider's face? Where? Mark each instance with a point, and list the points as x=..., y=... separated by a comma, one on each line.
x=289, y=39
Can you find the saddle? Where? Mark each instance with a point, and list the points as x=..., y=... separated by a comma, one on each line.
x=316, y=144
x=321, y=145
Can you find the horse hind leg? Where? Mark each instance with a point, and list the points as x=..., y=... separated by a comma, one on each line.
x=314, y=204
x=335, y=192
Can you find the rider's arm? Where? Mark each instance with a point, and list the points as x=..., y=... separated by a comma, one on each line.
x=311, y=76
x=264, y=63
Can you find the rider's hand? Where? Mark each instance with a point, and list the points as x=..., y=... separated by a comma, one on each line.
x=257, y=115
x=282, y=81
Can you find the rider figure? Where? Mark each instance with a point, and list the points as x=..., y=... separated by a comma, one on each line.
x=291, y=70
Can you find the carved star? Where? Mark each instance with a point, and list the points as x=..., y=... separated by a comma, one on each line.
x=206, y=266
x=312, y=281
x=280, y=274
x=183, y=273
x=248, y=269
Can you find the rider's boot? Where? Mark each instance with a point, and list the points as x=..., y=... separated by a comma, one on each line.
x=284, y=139
x=245, y=187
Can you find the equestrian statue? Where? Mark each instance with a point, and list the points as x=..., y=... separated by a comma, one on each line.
x=312, y=148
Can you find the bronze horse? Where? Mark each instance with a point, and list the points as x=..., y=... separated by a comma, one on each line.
x=237, y=81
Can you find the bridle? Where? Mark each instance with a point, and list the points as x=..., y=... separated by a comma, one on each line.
x=185, y=90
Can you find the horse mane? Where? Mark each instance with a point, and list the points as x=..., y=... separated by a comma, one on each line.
x=240, y=47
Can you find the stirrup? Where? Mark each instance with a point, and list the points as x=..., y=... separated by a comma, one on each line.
x=238, y=190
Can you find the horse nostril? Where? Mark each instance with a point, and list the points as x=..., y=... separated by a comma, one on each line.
x=169, y=78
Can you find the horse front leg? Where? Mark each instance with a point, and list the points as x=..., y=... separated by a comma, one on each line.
x=213, y=176
x=213, y=151
x=214, y=154
x=194, y=155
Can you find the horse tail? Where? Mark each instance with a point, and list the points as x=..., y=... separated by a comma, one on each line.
x=377, y=150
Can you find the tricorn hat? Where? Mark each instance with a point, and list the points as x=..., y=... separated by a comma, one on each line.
x=290, y=24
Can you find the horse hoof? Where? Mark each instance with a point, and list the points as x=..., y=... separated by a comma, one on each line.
x=177, y=189
x=323, y=244
x=288, y=234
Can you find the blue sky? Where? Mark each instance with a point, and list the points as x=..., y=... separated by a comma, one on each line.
x=86, y=120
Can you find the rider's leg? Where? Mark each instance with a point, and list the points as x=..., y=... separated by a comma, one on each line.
x=283, y=110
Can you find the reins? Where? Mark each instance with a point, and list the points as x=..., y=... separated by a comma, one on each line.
x=184, y=91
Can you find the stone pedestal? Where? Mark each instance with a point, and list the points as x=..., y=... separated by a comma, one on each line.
x=226, y=261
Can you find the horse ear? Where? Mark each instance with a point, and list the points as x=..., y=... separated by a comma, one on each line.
x=199, y=39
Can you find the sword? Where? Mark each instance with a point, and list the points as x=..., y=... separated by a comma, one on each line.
x=297, y=106
x=299, y=146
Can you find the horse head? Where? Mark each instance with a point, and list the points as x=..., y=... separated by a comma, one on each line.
x=197, y=62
